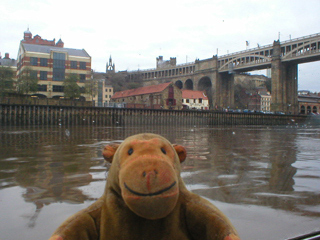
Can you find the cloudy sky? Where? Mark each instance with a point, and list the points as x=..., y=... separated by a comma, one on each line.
x=134, y=33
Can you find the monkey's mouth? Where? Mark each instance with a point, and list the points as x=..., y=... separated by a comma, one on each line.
x=149, y=194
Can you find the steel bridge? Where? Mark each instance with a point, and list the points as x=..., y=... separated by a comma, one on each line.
x=300, y=50
x=215, y=75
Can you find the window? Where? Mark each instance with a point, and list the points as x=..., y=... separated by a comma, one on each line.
x=82, y=65
x=187, y=100
x=110, y=90
x=200, y=100
x=56, y=88
x=42, y=88
x=43, y=75
x=43, y=62
x=82, y=77
x=73, y=64
x=58, y=66
x=33, y=74
x=34, y=61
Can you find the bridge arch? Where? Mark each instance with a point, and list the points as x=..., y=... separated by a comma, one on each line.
x=179, y=84
x=205, y=85
x=243, y=60
x=188, y=84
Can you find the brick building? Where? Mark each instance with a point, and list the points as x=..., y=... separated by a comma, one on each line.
x=51, y=63
x=194, y=100
x=161, y=96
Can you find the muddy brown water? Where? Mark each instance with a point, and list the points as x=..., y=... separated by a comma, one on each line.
x=265, y=179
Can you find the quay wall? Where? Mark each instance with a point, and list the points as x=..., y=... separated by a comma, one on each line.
x=17, y=115
x=20, y=115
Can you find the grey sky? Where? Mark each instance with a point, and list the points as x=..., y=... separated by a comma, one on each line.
x=136, y=32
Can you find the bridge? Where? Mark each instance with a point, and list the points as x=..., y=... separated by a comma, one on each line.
x=216, y=75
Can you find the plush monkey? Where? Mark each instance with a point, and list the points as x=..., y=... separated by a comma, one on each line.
x=145, y=198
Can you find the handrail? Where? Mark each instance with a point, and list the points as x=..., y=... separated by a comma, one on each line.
x=269, y=45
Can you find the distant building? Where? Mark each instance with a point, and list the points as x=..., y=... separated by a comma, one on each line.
x=308, y=102
x=12, y=64
x=8, y=62
x=103, y=91
x=260, y=100
x=265, y=101
x=194, y=100
x=51, y=63
x=161, y=96
x=168, y=63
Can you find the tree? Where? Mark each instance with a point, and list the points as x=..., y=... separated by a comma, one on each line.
x=6, y=81
x=27, y=82
x=268, y=84
x=120, y=81
x=71, y=88
x=91, y=86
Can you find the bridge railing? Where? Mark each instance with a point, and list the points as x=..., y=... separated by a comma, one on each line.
x=264, y=47
x=165, y=68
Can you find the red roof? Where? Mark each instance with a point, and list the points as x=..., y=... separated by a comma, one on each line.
x=141, y=90
x=190, y=94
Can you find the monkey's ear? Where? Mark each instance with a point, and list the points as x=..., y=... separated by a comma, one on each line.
x=109, y=151
x=181, y=151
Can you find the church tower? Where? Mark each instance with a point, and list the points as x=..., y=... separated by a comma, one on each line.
x=110, y=66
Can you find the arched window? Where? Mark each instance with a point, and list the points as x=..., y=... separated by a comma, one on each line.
x=308, y=109
x=314, y=109
x=303, y=110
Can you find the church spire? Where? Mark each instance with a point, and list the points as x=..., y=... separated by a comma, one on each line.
x=110, y=66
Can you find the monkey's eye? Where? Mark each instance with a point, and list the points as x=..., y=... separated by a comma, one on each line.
x=130, y=151
x=163, y=150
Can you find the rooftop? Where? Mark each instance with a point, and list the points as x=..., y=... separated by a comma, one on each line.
x=191, y=94
x=48, y=49
x=141, y=90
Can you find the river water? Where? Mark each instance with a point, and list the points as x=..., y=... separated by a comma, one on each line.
x=265, y=179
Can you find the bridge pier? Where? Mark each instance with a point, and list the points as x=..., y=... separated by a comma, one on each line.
x=224, y=96
x=284, y=78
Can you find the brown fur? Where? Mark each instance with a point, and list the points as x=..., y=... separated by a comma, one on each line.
x=145, y=198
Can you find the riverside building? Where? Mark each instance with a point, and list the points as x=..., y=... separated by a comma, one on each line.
x=51, y=63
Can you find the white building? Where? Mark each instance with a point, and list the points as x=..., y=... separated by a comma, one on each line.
x=194, y=100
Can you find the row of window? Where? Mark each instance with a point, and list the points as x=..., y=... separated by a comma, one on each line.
x=192, y=100
x=58, y=62
x=57, y=75
x=55, y=88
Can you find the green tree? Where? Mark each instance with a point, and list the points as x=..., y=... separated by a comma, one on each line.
x=71, y=88
x=6, y=81
x=27, y=82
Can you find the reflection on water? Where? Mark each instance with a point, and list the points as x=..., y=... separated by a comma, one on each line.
x=266, y=179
